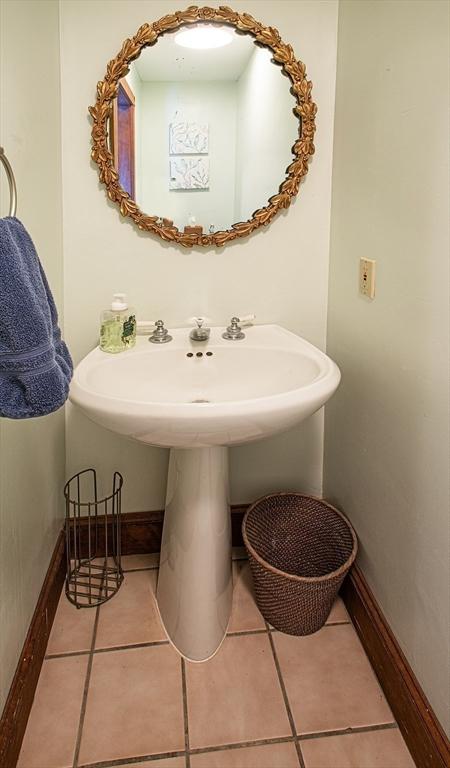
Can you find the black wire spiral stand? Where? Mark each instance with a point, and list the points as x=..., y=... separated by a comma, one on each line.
x=93, y=540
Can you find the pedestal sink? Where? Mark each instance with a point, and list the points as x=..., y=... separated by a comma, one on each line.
x=198, y=398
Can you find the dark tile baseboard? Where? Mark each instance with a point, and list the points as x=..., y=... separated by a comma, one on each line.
x=420, y=728
x=141, y=532
x=21, y=694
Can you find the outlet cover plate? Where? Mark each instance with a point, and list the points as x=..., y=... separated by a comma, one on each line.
x=367, y=277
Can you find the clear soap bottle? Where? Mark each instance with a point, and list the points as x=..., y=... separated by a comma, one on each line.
x=118, y=326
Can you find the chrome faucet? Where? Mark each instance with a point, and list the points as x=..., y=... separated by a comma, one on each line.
x=200, y=333
x=234, y=331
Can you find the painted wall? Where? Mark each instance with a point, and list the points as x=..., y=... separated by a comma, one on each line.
x=202, y=102
x=31, y=451
x=266, y=131
x=387, y=441
x=280, y=273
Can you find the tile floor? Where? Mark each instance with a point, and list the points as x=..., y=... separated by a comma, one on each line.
x=113, y=692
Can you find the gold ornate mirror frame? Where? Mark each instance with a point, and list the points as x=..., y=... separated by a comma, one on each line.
x=305, y=110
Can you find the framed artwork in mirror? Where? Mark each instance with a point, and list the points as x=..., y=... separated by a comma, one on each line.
x=188, y=138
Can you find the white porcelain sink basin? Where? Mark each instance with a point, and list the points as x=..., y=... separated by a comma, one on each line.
x=198, y=398
x=236, y=391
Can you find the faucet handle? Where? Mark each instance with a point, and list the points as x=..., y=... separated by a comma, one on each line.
x=160, y=335
x=234, y=330
x=246, y=319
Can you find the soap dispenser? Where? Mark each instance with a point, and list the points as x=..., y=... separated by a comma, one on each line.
x=118, y=326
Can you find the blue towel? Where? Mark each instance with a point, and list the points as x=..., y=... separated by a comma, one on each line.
x=35, y=364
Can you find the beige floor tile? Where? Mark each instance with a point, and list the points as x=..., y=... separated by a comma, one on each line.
x=72, y=628
x=165, y=762
x=52, y=727
x=338, y=612
x=245, y=614
x=236, y=695
x=131, y=616
x=329, y=681
x=134, y=705
x=133, y=562
x=377, y=749
x=268, y=756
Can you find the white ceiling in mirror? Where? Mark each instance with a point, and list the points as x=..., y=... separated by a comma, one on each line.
x=203, y=36
x=166, y=61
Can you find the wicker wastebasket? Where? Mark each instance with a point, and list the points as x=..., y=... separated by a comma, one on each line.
x=300, y=549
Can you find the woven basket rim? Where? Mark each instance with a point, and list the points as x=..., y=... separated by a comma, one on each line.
x=292, y=576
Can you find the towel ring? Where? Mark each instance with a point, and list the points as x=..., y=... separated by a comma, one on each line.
x=11, y=181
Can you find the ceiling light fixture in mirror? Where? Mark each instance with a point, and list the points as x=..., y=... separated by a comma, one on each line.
x=200, y=128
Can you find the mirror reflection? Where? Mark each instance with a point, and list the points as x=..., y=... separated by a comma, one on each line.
x=202, y=128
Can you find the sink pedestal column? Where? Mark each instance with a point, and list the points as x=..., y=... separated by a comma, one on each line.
x=194, y=585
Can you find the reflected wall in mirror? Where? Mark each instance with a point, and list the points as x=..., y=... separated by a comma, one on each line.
x=197, y=134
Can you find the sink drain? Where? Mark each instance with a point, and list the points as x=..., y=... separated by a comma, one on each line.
x=200, y=401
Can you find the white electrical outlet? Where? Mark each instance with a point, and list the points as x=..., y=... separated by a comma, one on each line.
x=367, y=277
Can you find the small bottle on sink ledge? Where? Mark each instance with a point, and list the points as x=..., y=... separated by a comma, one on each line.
x=118, y=326
x=192, y=228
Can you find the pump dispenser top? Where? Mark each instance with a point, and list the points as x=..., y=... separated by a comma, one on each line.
x=119, y=302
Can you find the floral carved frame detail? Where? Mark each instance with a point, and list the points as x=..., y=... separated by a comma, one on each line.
x=305, y=110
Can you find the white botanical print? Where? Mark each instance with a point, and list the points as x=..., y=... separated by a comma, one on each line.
x=188, y=138
x=189, y=173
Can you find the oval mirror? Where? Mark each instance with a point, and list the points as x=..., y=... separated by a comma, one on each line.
x=198, y=136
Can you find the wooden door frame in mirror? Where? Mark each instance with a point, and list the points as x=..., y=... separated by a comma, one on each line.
x=305, y=110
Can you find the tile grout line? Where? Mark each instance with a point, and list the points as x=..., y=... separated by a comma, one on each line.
x=64, y=654
x=244, y=632
x=196, y=751
x=239, y=745
x=150, y=644
x=121, y=761
x=348, y=731
x=301, y=761
x=86, y=690
x=130, y=646
x=242, y=745
x=185, y=713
